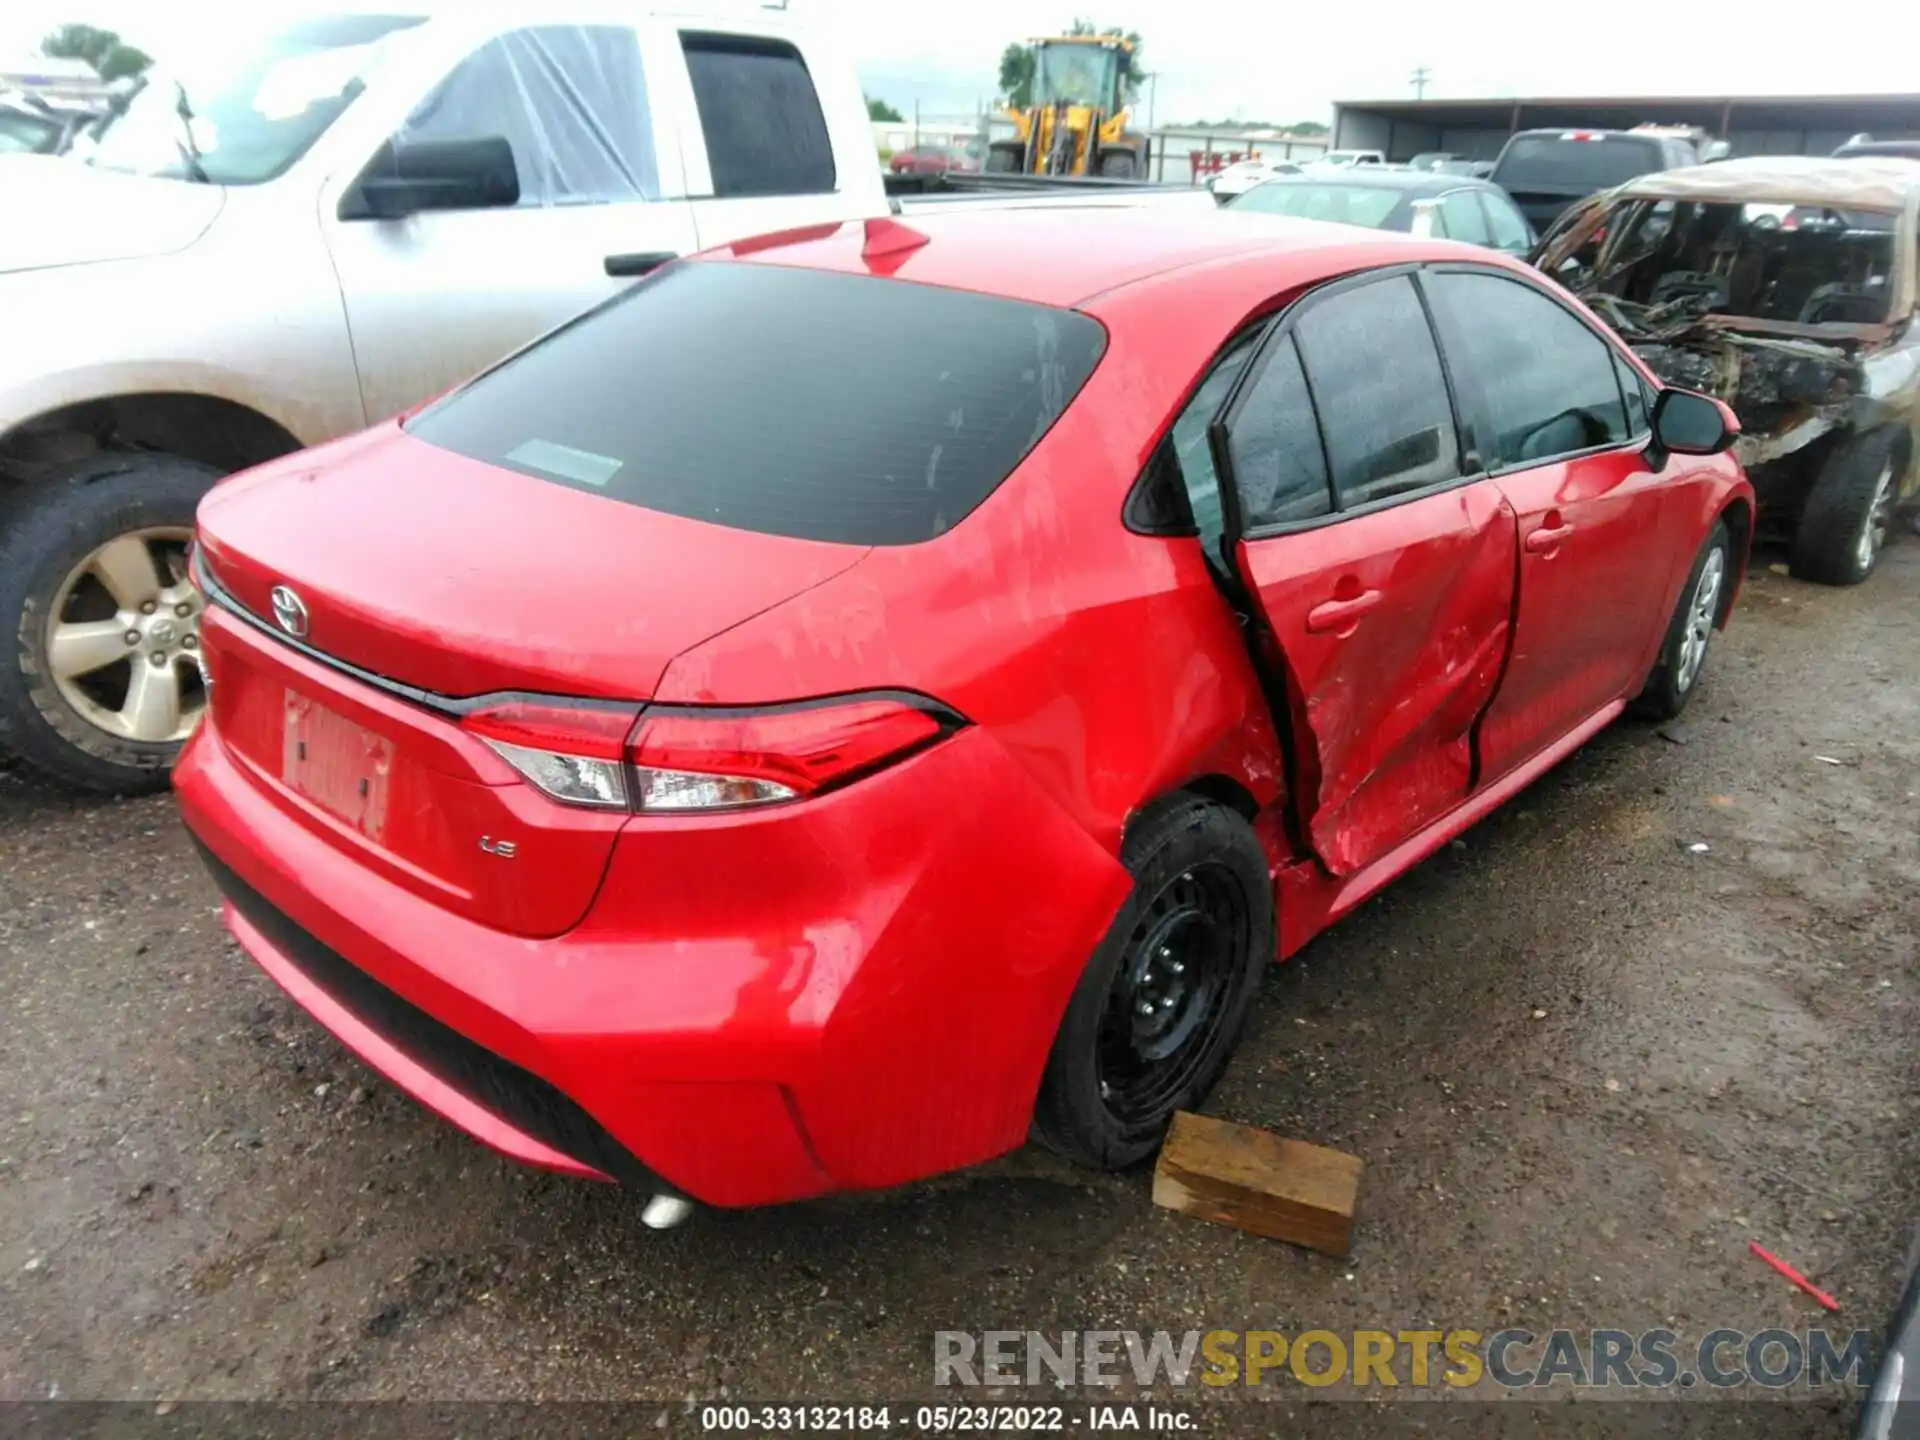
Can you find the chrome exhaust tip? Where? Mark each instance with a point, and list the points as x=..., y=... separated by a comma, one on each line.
x=663, y=1212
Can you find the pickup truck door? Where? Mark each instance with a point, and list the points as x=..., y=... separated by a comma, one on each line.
x=1376, y=557
x=435, y=297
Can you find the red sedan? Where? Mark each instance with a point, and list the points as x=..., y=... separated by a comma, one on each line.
x=870, y=694
x=932, y=160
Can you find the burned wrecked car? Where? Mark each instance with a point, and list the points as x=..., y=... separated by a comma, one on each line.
x=1785, y=285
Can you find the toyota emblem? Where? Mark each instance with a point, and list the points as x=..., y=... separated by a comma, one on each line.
x=289, y=611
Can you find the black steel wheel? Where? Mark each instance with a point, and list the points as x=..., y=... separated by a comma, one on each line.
x=1170, y=991
x=1154, y=1019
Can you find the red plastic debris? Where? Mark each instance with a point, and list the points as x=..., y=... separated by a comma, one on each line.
x=1794, y=1275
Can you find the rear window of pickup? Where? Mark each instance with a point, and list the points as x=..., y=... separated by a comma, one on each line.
x=1555, y=161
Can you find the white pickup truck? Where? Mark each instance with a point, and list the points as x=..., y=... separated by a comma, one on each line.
x=325, y=224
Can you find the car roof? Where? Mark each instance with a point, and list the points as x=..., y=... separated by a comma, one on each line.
x=1843, y=183
x=1062, y=256
x=1414, y=182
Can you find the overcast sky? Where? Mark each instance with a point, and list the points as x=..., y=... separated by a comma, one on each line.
x=1271, y=61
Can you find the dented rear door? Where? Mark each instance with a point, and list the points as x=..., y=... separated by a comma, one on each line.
x=1379, y=561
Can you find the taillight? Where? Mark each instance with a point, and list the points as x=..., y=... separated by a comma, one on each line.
x=693, y=758
x=575, y=753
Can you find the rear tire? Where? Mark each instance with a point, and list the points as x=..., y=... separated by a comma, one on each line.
x=1119, y=164
x=1848, y=517
x=52, y=529
x=1138, y=1043
x=1683, y=653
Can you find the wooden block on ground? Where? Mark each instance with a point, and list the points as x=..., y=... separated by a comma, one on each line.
x=1236, y=1175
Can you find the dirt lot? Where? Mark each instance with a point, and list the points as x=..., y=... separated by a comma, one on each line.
x=1584, y=1064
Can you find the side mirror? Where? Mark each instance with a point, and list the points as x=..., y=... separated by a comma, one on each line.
x=1687, y=423
x=406, y=177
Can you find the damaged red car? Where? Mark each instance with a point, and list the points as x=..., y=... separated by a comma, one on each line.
x=868, y=695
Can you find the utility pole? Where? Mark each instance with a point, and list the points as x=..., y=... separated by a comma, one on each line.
x=1153, y=80
x=1420, y=78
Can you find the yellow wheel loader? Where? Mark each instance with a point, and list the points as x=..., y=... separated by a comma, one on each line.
x=1077, y=123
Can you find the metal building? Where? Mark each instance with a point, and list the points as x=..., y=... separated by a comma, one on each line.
x=1755, y=125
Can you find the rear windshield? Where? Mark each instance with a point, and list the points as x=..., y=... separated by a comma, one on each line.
x=790, y=402
x=1556, y=162
x=1344, y=204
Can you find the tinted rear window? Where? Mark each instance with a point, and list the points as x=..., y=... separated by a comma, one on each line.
x=1537, y=162
x=790, y=402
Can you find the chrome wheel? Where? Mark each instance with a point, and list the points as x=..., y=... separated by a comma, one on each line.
x=1873, y=530
x=1701, y=613
x=123, y=638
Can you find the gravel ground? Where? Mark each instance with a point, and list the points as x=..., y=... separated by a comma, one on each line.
x=1585, y=1064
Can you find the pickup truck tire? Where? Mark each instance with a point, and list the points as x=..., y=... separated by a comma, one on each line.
x=68, y=708
x=1683, y=651
x=1156, y=1013
x=1848, y=516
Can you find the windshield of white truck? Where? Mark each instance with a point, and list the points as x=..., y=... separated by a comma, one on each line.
x=242, y=114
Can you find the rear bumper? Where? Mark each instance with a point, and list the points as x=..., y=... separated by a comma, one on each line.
x=854, y=992
x=511, y=1109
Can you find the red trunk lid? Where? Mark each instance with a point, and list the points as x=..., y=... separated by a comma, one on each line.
x=453, y=577
x=461, y=578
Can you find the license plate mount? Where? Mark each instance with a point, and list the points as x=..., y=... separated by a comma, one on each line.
x=342, y=767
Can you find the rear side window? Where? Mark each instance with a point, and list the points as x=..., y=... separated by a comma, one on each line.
x=1383, y=400
x=761, y=115
x=1191, y=447
x=1510, y=230
x=1549, y=384
x=790, y=402
x=1460, y=212
x=1278, y=464
x=1566, y=163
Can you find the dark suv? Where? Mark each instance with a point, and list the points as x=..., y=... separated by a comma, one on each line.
x=1545, y=171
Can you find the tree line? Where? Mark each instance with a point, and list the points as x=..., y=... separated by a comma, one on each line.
x=110, y=56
